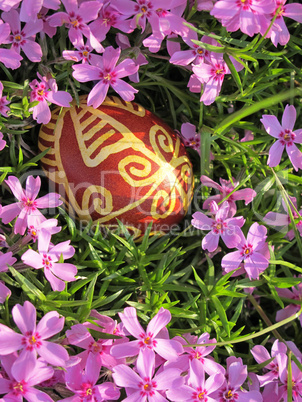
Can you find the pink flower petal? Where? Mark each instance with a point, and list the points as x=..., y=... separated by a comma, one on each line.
x=289, y=117
x=32, y=187
x=145, y=363
x=271, y=125
x=169, y=378
x=32, y=259
x=168, y=348
x=25, y=317
x=55, y=283
x=256, y=234
x=295, y=156
x=130, y=321
x=202, y=221
x=159, y=321
x=10, y=341
x=120, y=350
x=98, y=94
x=231, y=261
x=65, y=271
x=210, y=241
x=125, y=377
x=50, y=324
x=125, y=90
x=275, y=154
x=255, y=264
x=53, y=353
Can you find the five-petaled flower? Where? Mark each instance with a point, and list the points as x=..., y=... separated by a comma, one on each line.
x=27, y=207
x=286, y=137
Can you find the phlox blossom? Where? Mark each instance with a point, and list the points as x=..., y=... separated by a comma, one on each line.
x=243, y=14
x=32, y=340
x=250, y=251
x=284, y=220
x=45, y=92
x=84, y=383
x=27, y=206
x=286, y=137
x=196, y=54
x=8, y=57
x=80, y=336
x=296, y=382
x=220, y=226
x=190, y=137
x=279, y=33
x=23, y=38
x=83, y=52
x=197, y=388
x=225, y=188
x=295, y=294
x=76, y=19
x=211, y=74
x=50, y=225
x=108, y=73
x=30, y=9
x=142, y=385
x=273, y=368
x=19, y=381
x=47, y=257
x=230, y=390
x=201, y=353
x=154, y=338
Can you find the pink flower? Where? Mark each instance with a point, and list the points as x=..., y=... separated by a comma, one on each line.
x=48, y=256
x=5, y=260
x=83, y=383
x=211, y=74
x=27, y=207
x=76, y=18
x=271, y=369
x=80, y=336
x=32, y=339
x=83, y=52
x=196, y=54
x=8, y=57
x=3, y=102
x=50, y=225
x=141, y=11
x=250, y=251
x=198, y=387
x=30, y=9
x=286, y=137
x=23, y=38
x=279, y=32
x=2, y=142
x=201, y=353
x=109, y=17
x=154, y=338
x=295, y=294
x=108, y=73
x=141, y=385
x=190, y=137
x=220, y=226
x=231, y=389
x=46, y=92
x=296, y=381
x=226, y=187
x=243, y=14
x=279, y=219
x=19, y=381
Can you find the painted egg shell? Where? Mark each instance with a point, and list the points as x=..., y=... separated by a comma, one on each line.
x=117, y=161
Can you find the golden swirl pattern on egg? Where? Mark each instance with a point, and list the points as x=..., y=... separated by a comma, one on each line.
x=117, y=161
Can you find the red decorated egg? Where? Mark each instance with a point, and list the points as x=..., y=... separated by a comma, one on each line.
x=118, y=161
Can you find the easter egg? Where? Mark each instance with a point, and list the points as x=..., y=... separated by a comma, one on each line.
x=118, y=161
